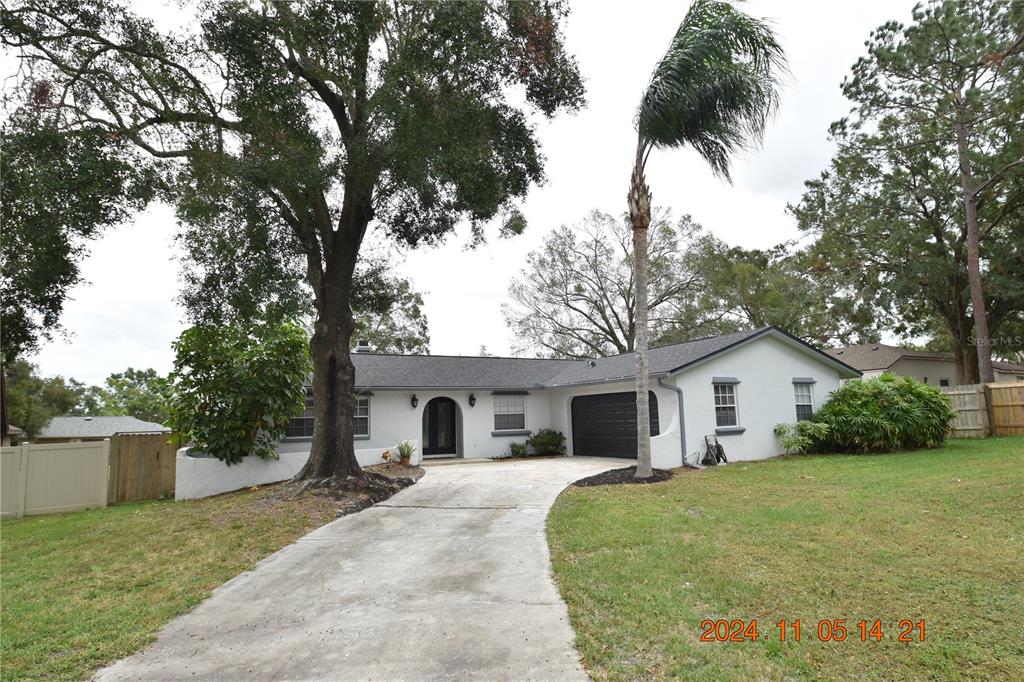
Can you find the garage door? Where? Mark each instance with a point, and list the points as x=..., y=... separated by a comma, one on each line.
x=604, y=425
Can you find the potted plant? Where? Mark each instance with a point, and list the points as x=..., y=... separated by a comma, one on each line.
x=405, y=451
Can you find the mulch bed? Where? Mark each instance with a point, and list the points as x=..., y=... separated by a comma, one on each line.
x=623, y=476
x=338, y=497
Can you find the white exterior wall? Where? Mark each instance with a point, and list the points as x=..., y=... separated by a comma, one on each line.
x=393, y=419
x=196, y=477
x=765, y=368
x=664, y=446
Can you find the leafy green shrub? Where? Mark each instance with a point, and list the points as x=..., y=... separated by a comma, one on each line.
x=236, y=388
x=405, y=449
x=518, y=449
x=801, y=437
x=886, y=413
x=547, y=442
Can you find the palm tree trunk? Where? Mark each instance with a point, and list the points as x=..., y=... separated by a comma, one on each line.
x=640, y=216
x=982, y=341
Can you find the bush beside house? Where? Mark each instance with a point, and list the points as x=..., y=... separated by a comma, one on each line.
x=235, y=389
x=544, y=442
x=876, y=415
x=547, y=442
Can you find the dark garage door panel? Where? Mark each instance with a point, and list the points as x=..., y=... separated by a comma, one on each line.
x=604, y=425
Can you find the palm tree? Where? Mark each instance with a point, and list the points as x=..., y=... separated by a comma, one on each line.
x=714, y=90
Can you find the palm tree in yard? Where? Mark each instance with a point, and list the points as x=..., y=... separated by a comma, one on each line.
x=714, y=91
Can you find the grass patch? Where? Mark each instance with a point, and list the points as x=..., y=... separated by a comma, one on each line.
x=83, y=589
x=935, y=535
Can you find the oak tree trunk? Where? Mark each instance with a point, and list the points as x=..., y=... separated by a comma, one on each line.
x=332, y=453
x=981, y=334
x=640, y=216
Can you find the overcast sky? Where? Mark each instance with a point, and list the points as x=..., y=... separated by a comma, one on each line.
x=125, y=315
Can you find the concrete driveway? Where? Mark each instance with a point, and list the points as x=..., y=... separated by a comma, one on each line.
x=449, y=579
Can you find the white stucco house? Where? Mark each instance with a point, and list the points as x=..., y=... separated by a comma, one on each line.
x=935, y=369
x=736, y=386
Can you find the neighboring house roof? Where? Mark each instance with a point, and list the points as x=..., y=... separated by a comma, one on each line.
x=875, y=356
x=96, y=427
x=445, y=371
x=13, y=430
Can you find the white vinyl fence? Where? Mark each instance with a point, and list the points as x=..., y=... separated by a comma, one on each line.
x=50, y=478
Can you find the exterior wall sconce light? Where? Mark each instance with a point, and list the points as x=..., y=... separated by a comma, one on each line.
x=472, y=400
x=415, y=401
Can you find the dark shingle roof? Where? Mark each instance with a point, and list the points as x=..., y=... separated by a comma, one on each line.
x=445, y=371
x=96, y=427
x=661, y=360
x=869, y=356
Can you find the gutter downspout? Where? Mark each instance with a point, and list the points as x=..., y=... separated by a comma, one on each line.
x=682, y=420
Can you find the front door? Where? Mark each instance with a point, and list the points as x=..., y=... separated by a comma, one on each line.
x=440, y=427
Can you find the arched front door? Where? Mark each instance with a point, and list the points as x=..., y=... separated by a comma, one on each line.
x=439, y=424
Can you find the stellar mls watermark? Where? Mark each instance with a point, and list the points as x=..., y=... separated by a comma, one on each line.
x=1014, y=342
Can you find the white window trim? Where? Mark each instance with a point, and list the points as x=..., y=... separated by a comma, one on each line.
x=494, y=414
x=810, y=397
x=734, y=385
x=369, y=410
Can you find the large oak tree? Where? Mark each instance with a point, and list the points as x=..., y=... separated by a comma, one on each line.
x=321, y=117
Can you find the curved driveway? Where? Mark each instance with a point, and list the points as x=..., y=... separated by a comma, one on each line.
x=448, y=579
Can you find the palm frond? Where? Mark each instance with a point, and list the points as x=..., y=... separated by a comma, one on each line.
x=716, y=87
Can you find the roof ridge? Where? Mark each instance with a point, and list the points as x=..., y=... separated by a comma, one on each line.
x=591, y=357
x=460, y=357
x=748, y=332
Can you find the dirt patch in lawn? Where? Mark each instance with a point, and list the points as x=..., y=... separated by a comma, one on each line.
x=333, y=498
x=623, y=476
x=322, y=503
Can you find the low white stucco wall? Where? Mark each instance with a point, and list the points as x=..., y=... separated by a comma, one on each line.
x=196, y=477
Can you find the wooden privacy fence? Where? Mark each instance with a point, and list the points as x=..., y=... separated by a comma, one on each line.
x=141, y=467
x=971, y=409
x=58, y=477
x=1006, y=406
x=987, y=409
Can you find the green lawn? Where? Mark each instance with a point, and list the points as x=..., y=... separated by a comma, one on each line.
x=936, y=535
x=83, y=589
